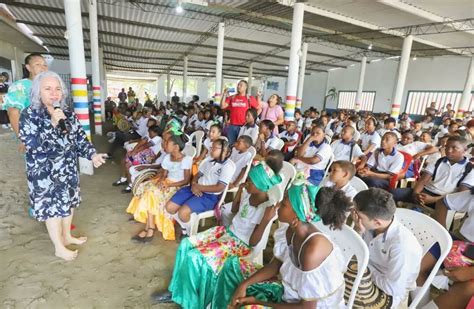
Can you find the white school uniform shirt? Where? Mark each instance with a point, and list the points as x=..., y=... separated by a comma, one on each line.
x=247, y=218
x=272, y=143
x=155, y=144
x=447, y=176
x=142, y=128
x=370, y=139
x=394, y=260
x=299, y=124
x=463, y=202
x=349, y=190
x=212, y=172
x=356, y=136
x=176, y=169
x=391, y=163
x=308, y=122
x=160, y=159
x=290, y=137
x=241, y=160
x=323, y=151
x=427, y=125
x=207, y=144
x=342, y=150
x=412, y=148
x=251, y=131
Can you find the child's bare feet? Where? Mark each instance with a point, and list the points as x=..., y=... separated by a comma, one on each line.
x=74, y=241
x=66, y=254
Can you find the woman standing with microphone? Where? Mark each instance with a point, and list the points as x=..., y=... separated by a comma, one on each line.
x=54, y=140
x=237, y=105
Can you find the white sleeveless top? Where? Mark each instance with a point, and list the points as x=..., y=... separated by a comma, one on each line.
x=325, y=284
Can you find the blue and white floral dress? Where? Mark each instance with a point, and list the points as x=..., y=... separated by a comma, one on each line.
x=51, y=159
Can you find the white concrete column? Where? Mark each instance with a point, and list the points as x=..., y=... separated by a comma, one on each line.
x=299, y=93
x=360, y=87
x=250, y=78
x=402, y=75
x=77, y=65
x=96, y=89
x=185, y=79
x=219, y=61
x=103, y=80
x=296, y=33
x=466, y=94
x=168, y=86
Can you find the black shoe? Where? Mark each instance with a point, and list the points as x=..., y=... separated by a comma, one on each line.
x=119, y=183
x=138, y=238
x=127, y=190
x=161, y=297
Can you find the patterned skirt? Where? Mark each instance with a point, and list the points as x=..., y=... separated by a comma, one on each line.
x=151, y=198
x=199, y=261
x=145, y=156
x=236, y=270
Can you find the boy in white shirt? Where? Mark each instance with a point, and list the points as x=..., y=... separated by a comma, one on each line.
x=394, y=252
x=462, y=289
x=347, y=149
x=242, y=157
x=290, y=137
x=383, y=163
x=390, y=126
x=447, y=175
x=414, y=148
x=340, y=176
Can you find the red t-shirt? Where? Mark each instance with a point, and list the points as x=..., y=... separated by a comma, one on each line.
x=238, y=106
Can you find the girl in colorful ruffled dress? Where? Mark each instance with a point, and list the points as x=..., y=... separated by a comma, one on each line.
x=200, y=258
x=310, y=265
x=147, y=206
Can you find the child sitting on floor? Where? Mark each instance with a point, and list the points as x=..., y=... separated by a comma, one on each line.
x=215, y=173
x=200, y=258
x=147, y=206
x=383, y=163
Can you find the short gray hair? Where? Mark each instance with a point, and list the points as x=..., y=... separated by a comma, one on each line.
x=35, y=95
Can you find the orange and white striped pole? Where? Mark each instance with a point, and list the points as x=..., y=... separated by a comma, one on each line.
x=402, y=75
x=467, y=92
x=296, y=34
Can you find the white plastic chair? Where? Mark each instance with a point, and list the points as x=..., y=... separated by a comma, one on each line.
x=287, y=173
x=189, y=150
x=328, y=167
x=253, y=151
x=358, y=184
x=427, y=231
x=452, y=216
x=350, y=244
x=404, y=182
x=198, y=136
x=195, y=218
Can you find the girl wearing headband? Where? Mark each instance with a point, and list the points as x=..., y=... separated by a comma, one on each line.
x=200, y=257
x=148, y=205
x=309, y=264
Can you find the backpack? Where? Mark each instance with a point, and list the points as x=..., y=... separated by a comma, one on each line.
x=467, y=170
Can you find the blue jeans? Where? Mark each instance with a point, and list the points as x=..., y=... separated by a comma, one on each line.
x=373, y=182
x=232, y=133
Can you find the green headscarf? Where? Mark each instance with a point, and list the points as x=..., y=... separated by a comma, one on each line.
x=263, y=177
x=302, y=195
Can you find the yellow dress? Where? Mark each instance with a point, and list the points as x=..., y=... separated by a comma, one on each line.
x=151, y=197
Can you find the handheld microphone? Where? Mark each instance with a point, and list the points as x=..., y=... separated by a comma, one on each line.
x=61, y=122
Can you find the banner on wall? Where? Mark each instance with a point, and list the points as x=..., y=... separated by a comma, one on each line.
x=273, y=85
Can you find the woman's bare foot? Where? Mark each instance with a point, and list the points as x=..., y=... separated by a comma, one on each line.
x=74, y=241
x=66, y=254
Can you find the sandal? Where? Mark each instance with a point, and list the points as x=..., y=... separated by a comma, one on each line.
x=138, y=237
x=149, y=238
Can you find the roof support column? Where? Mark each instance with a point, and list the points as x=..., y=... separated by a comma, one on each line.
x=299, y=93
x=250, y=78
x=296, y=33
x=219, y=61
x=94, y=39
x=185, y=79
x=360, y=87
x=168, y=86
x=466, y=94
x=402, y=75
x=77, y=65
x=103, y=80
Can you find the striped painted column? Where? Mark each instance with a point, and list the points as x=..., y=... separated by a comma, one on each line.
x=81, y=104
x=466, y=94
x=97, y=109
x=296, y=34
x=402, y=75
x=77, y=64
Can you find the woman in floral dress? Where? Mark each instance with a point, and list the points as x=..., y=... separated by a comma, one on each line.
x=51, y=157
